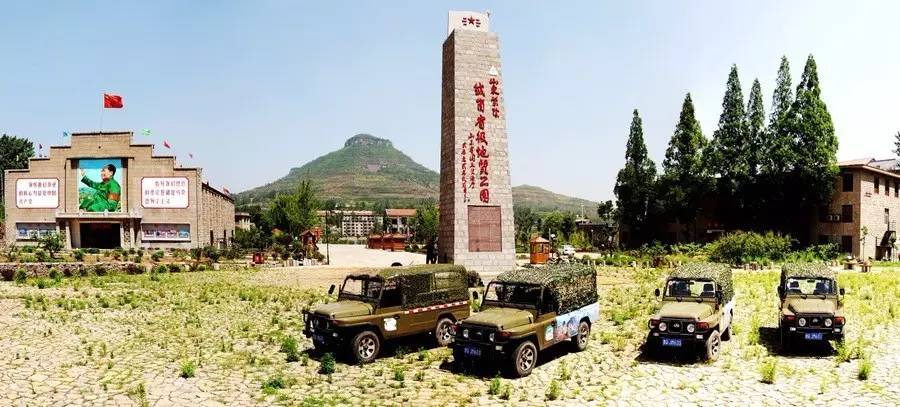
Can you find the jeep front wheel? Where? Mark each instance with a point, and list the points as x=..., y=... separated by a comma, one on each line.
x=443, y=331
x=365, y=346
x=713, y=343
x=524, y=359
x=581, y=339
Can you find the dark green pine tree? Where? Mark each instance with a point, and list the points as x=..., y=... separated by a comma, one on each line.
x=897, y=144
x=815, y=148
x=756, y=129
x=778, y=156
x=635, y=184
x=728, y=155
x=684, y=183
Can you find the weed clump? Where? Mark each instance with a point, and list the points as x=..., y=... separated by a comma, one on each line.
x=188, y=369
x=290, y=348
x=767, y=370
x=20, y=276
x=327, y=364
x=553, y=390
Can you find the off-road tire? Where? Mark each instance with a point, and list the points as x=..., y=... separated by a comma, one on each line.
x=713, y=346
x=365, y=346
x=524, y=359
x=443, y=334
x=580, y=340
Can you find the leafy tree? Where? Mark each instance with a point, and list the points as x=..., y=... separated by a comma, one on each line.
x=606, y=210
x=294, y=213
x=52, y=243
x=684, y=183
x=897, y=144
x=426, y=224
x=525, y=222
x=14, y=154
x=635, y=182
x=727, y=156
x=810, y=125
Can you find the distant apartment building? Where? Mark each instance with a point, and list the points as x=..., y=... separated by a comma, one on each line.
x=866, y=198
x=353, y=223
x=242, y=220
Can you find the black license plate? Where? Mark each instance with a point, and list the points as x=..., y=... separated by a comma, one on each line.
x=472, y=351
x=813, y=336
x=671, y=342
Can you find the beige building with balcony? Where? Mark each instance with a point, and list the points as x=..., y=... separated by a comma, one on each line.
x=104, y=191
x=866, y=199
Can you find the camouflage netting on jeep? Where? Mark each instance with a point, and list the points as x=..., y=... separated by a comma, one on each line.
x=571, y=286
x=807, y=270
x=717, y=272
x=429, y=284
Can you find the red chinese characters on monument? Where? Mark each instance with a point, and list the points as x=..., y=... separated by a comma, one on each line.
x=475, y=151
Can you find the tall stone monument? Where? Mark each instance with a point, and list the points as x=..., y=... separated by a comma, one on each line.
x=476, y=225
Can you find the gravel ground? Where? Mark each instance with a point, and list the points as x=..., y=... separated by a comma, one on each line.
x=124, y=340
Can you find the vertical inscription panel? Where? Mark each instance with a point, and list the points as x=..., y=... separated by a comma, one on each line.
x=485, y=232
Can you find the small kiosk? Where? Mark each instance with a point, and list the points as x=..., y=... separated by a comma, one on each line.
x=540, y=250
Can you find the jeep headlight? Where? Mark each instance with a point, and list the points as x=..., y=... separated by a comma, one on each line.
x=491, y=337
x=690, y=328
x=465, y=333
x=801, y=322
x=828, y=322
x=663, y=326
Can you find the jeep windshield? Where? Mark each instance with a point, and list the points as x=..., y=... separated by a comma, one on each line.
x=519, y=295
x=804, y=286
x=361, y=288
x=698, y=289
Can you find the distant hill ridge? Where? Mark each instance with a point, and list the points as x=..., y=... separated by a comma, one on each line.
x=370, y=169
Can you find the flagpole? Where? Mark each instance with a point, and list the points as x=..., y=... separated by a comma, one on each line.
x=101, y=113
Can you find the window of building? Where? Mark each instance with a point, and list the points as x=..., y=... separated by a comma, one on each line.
x=896, y=189
x=847, y=213
x=847, y=181
x=847, y=244
x=876, y=184
x=887, y=216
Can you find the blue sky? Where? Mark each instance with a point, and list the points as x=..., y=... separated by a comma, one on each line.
x=255, y=88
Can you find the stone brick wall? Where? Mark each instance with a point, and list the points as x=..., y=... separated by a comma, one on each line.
x=467, y=59
x=217, y=218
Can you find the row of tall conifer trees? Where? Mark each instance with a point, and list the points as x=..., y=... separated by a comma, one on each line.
x=755, y=173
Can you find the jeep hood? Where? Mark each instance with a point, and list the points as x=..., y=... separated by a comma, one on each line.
x=686, y=310
x=500, y=318
x=343, y=309
x=810, y=305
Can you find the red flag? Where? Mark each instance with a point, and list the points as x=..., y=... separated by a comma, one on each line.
x=166, y=144
x=111, y=101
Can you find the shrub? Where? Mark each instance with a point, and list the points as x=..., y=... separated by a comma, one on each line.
x=865, y=369
x=272, y=384
x=327, y=364
x=212, y=253
x=42, y=256
x=398, y=373
x=100, y=270
x=767, y=370
x=553, y=391
x=744, y=247
x=174, y=268
x=78, y=254
x=290, y=348
x=43, y=283
x=159, y=268
x=494, y=389
x=157, y=255
x=55, y=274
x=188, y=369
x=20, y=276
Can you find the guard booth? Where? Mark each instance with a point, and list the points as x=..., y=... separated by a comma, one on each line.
x=540, y=250
x=374, y=242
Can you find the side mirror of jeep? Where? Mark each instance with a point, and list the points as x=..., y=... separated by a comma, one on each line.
x=719, y=296
x=656, y=292
x=475, y=295
x=842, y=292
x=781, y=291
x=331, y=290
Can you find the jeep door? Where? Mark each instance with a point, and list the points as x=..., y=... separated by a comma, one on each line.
x=391, y=318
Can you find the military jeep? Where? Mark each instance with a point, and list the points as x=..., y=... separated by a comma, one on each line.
x=696, y=311
x=811, y=307
x=527, y=311
x=391, y=303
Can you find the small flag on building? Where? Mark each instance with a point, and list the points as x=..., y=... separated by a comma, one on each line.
x=166, y=144
x=111, y=101
x=191, y=155
x=146, y=132
x=226, y=190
